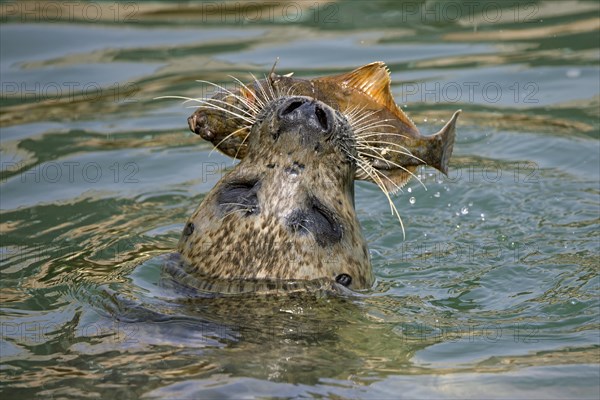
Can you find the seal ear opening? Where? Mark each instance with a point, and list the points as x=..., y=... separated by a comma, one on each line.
x=344, y=279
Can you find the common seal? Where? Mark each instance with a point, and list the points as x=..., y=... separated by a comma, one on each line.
x=286, y=211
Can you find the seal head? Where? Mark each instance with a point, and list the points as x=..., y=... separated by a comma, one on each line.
x=286, y=211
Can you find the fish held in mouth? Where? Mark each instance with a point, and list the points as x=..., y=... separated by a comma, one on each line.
x=389, y=144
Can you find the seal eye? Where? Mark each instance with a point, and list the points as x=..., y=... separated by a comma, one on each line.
x=344, y=279
x=318, y=221
x=189, y=229
x=239, y=196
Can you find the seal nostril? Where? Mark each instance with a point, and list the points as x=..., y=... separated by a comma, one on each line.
x=321, y=117
x=293, y=105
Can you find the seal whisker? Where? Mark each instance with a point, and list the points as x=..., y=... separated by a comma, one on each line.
x=311, y=234
x=395, y=189
x=377, y=130
x=369, y=170
x=212, y=106
x=351, y=112
x=370, y=143
x=234, y=204
x=362, y=153
x=374, y=174
x=382, y=152
x=360, y=111
x=291, y=91
x=242, y=144
x=230, y=135
x=363, y=122
x=367, y=167
x=260, y=102
x=356, y=160
x=207, y=103
x=245, y=111
x=262, y=89
x=216, y=102
x=234, y=95
x=245, y=210
x=356, y=122
x=249, y=106
x=350, y=116
x=395, y=165
x=372, y=126
x=394, y=210
x=373, y=133
x=270, y=84
x=175, y=97
x=403, y=150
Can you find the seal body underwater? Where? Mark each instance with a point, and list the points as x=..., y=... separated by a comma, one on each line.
x=286, y=211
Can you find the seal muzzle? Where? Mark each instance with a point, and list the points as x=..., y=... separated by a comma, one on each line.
x=309, y=117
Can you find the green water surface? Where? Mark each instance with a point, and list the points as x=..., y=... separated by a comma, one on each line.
x=492, y=294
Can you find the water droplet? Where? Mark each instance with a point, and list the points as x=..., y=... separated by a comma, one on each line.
x=573, y=302
x=449, y=204
x=436, y=194
x=412, y=200
x=424, y=119
x=482, y=216
x=464, y=210
x=409, y=190
x=471, y=204
x=457, y=226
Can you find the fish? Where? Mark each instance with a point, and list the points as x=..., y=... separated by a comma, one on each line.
x=390, y=147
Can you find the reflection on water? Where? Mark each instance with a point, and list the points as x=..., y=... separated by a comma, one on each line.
x=494, y=292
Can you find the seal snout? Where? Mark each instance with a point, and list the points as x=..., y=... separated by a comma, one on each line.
x=309, y=117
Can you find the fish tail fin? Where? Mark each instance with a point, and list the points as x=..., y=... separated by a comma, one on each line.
x=445, y=137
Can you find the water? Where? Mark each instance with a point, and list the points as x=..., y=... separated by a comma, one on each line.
x=493, y=293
